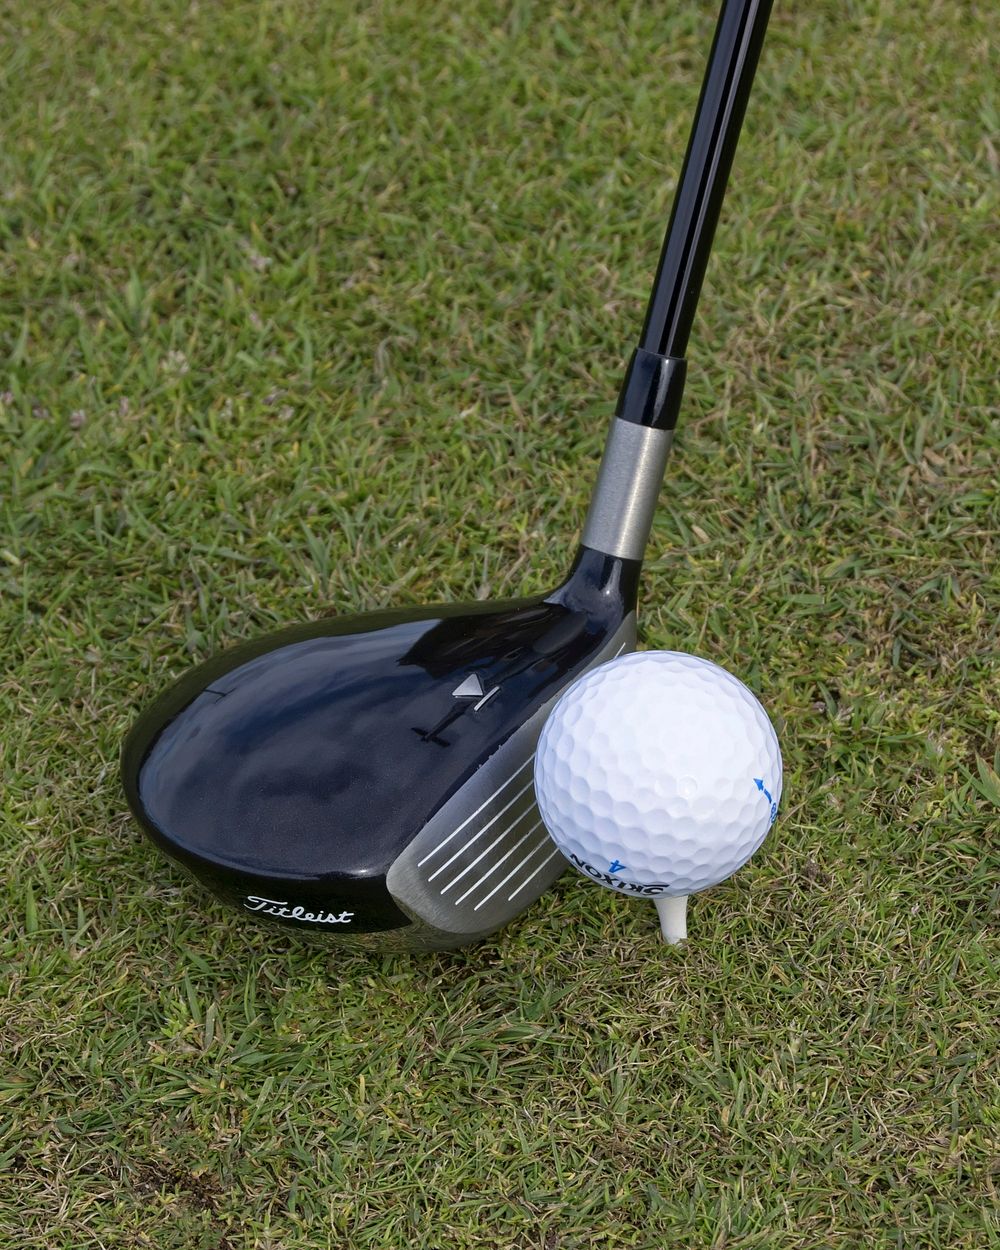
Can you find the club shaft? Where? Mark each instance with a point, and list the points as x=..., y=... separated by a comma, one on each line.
x=702, y=186
x=628, y=482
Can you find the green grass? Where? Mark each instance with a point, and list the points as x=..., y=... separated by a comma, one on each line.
x=307, y=304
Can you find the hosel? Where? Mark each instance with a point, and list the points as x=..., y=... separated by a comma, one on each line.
x=635, y=456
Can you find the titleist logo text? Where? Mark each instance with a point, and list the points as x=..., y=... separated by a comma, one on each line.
x=280, y=907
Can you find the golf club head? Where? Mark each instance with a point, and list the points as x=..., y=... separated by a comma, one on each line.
x=369, y=778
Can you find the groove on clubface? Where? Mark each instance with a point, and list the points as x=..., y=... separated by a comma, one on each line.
x=531, y=876
x=456, y=831
x=475, y=838
x=500, y=862
x=496, y=862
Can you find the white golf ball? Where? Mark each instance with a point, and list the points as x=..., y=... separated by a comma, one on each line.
x=658, y=774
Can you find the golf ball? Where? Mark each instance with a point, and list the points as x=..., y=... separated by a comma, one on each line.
x=658, y=774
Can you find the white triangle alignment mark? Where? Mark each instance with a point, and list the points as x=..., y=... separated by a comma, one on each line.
x=471, y=688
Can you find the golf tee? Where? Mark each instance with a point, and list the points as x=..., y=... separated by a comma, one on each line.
x=673, y=918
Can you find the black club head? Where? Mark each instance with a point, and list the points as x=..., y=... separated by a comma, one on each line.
x=369, y=777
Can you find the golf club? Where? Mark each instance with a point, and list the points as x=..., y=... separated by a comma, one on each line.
x=370, y=777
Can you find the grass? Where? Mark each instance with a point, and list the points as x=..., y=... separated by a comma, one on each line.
x=310, y=303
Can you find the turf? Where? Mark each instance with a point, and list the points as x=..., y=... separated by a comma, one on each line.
x=312, y=305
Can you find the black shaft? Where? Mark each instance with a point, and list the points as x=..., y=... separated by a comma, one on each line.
x=714, y=135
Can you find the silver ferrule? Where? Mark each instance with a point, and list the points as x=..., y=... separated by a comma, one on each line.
x=628, y=485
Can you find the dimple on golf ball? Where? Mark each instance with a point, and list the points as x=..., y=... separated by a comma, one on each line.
x=658, y=774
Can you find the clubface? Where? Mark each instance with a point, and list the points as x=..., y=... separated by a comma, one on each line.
x=370, y=777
